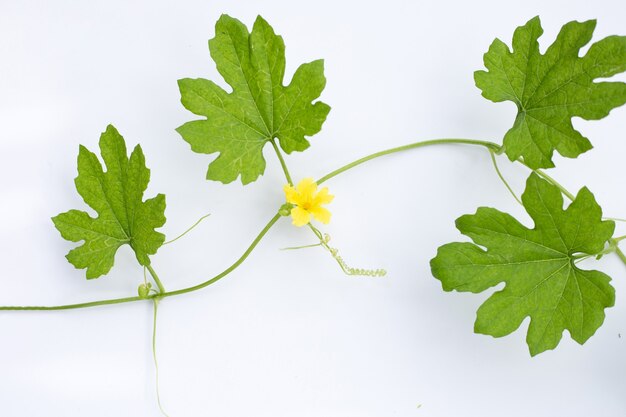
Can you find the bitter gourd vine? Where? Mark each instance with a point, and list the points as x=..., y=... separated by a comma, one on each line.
x=538, y=264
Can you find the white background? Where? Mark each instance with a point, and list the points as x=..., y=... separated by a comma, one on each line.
x=287, y=334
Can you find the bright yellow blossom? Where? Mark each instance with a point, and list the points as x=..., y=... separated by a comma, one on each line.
x=308, y=202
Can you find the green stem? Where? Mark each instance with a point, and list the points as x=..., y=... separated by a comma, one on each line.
x=489, y=145
x=615, y=219
x=282, y=161
x=156, y=279
x=302, y=247
x=492, y=147
x=188, y=230
x=619, y=238
x=231, y=268
x=620, y=254
x=75, y=306
x=553, y=181
x=239, y=261
x=319, y=234
x=606, y=251
x=550, y=180
x=506, y=184
x=154, y=355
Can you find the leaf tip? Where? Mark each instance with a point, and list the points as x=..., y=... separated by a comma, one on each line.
x=55, y=220
x=260, y=20
x=110, y=130
x=534, y=22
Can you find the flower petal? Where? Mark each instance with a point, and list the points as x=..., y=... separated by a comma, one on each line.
x=300, y=216
x=323, y=197
x=291, y=194
x=321, y=214
x=306, y=188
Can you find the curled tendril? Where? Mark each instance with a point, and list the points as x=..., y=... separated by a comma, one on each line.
x=348, y=270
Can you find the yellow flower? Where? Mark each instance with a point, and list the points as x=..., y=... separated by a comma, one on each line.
x=308, y=202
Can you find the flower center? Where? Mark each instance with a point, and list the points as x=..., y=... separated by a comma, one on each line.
x=306, y=205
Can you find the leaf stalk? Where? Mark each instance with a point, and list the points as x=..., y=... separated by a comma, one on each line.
x=156, y=279
x=282, y=161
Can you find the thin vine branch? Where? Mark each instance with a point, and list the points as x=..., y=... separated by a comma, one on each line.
x=489, y=145
x=506, y=184
x=231, y=268
x=620, y=254
x=193, y=226
x=154, y=355
x=550, y=180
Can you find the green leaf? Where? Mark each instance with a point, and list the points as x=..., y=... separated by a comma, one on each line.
x=552, y=88
x=537, y=265
x=259, y=109
x=116, y=195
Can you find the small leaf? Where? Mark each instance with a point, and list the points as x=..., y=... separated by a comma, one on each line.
x=537, y=265
x=259, y=109
x=116, y=195
x=552, y=88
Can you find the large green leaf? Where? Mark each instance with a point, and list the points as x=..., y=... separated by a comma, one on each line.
x=537, y=265
x=259, y=109
x=116, y=195
x=549, y=89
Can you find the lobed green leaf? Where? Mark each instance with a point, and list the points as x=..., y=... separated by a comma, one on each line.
x=542, y=280
x=549, y=89
x=116, y=195
x=259, y=109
